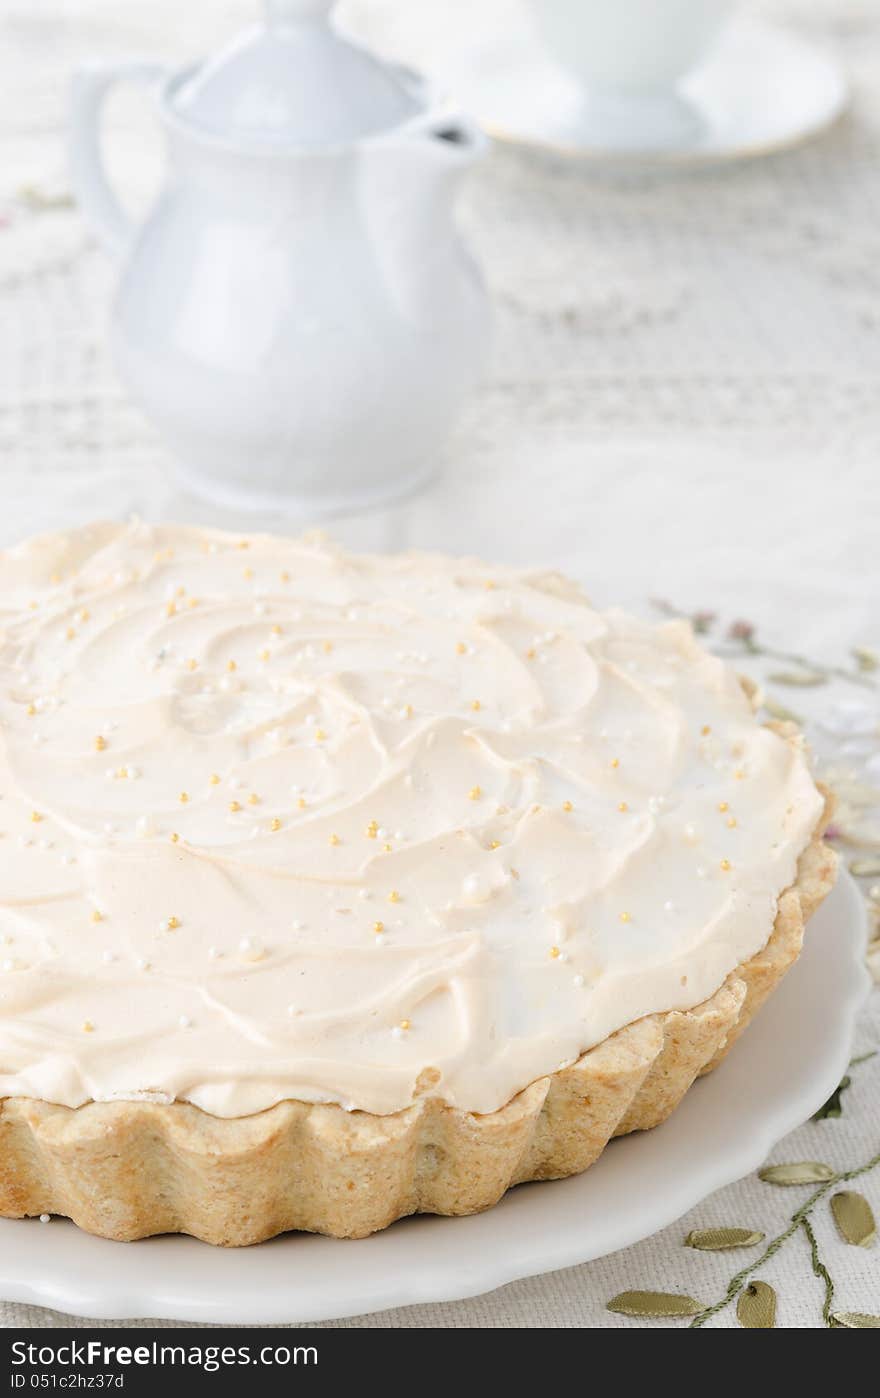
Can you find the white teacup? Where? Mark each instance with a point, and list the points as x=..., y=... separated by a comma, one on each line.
x=640, y=48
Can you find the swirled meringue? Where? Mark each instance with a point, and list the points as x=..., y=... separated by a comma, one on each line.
x=280, y=822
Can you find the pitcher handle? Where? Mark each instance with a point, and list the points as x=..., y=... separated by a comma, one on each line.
x=97, y=200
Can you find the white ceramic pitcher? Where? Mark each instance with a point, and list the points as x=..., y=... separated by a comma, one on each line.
x=297, y=315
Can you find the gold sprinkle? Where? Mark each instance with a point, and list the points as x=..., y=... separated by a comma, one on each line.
x=264, y=654
x=36, y=817
x=253, y=799
x=495, y=844
x=183, y=797
x=723, y=806
x=567, y=806
x=231, y=666
x=301, y=803
x=372, y=830
x=475, y=793
x=476, y=705
x=327, y=647
x=193, y=601
x=88, y=1027
x=408, y=710
x=284, y=575
x=100, y=743
x=531, y=653
x=170, y=608
x=192, y=664
x=615, y=762
x=623, y=806
x=378, y=927
x=55, y=579
x=320, y=735
x=739, y=774
x=214, y=779
x=460, y=648
x=554, y=952
x=31, y=710
x=247, y=573
x=33, y=606
x=334, y=839
x=706, y=730
x=181, y=591
x=731, y=822
x=387, y=849
x=234, y=806
x=277, y=630
x=244, y=543
x=275, y=823
x=406, y=1024
x=394, y=896
x=725, y=864
x=122, y=773
x=97, y=915
x=83, y=614
x=626, y=917
x=174, y=837
x=70, y=633
x=172, y=923
x=514, y=873
x=489, y=584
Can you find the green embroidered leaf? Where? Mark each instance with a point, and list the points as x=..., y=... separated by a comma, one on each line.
x=865, y=868
x=720, y=1239
x=801, y=679
x=798, y=1172
x=832, y=1107
x=654, y=1303
x=781, y=712
x=866, y=659
x=854, y=1219
x=756, y=1307
x=854, y=1320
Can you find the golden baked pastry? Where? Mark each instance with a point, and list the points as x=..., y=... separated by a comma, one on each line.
x=339, y=888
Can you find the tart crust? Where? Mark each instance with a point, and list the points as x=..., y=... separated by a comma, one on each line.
x=126, y=1170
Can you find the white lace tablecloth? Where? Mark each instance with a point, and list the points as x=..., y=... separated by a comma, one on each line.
x=683, y=405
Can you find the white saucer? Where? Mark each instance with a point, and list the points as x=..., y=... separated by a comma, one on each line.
x=761, y=90
x=785, y=1067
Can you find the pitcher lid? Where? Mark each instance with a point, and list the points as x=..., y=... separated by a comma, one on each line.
x=293, y=79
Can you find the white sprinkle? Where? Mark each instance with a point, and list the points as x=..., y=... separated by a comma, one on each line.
x=578, y=980
x=261, y=608
x=108, y=956
x=215, y=953
x=236, y=783
x=109, y=773
x=142, y=964
x=379, y=939
x=292, y=1010
x=68, y=859
x=669, y=906
x=45, y=1218
x=46, y=844
x=397, y=1032
x=382, y=833
x=8, y=965
x=701, y=871
x=144, y=826
x=399, y=835
x=134, y=773
x=365, y=894
x=246, y=944
x=690, y=833
x=25, y=841
x=185, y=1022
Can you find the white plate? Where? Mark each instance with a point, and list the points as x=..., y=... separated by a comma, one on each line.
x=784, y=1068
x=762, y=90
